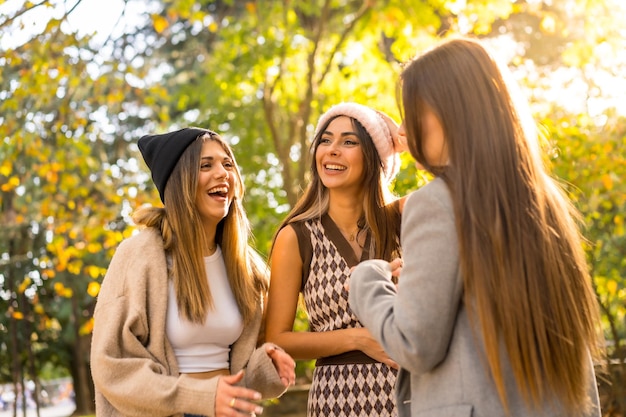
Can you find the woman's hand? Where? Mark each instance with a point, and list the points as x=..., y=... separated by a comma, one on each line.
x=398, y=144
x=284, y=364
x=368, y=345
x=400, y=140
x=396, y=269
x=232, y=400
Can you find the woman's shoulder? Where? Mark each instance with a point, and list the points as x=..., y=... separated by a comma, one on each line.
x=435, y=190
x=292, y=235
x=144, y=244
x=145, y=236
x=138, y=260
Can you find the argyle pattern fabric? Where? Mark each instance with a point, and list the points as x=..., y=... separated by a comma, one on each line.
x=340, y=390
x=352, y=390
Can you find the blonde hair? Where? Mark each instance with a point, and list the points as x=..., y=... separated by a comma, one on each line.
x=525, y=274
x=185, y=241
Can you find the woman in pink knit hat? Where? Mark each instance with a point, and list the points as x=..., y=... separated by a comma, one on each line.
x=346, y=215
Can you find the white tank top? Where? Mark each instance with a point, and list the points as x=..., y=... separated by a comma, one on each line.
x=202, y=348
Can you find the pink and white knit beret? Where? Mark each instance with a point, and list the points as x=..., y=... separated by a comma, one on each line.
x=374, y=123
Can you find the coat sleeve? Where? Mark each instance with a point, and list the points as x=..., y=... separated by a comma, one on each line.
x=260, y=373
x=415, y=324
x=128, y=359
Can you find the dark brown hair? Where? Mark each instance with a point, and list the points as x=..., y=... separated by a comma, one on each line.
x=524, y=268
x=381, y=217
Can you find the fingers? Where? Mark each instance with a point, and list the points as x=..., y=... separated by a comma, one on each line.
x=391, y=363
x=391, y=124
x=396, y=263
x=285, y=365
x=233, y=400
x=232, y=379
x=400, y=140
x=239, y=406
x=396, y=268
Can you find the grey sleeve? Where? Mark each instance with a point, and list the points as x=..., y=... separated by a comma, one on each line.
x=415, y=323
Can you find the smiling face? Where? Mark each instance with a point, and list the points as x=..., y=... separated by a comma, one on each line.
x=339, y=155
x=216, y=183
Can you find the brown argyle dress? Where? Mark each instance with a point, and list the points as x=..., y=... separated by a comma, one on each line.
x=351, y=384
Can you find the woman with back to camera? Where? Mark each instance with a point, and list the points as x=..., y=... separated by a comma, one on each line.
x=494, y=314
x=179, y=312
x=347, y=214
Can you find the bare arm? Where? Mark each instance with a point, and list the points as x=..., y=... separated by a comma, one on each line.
x=286, y=280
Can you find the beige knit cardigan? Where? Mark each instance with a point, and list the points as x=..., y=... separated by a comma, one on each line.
x=132, y=362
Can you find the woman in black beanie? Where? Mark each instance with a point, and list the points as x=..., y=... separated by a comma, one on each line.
x=179, y=312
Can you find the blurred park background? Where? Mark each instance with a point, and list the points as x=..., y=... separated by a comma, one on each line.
x=82, y=80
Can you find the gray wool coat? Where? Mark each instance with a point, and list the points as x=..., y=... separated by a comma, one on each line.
x=424, y=326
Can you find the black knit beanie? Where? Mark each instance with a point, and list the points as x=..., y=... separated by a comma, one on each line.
x=162, y=152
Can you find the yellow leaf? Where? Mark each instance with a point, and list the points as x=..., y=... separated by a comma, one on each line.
x=25, y=284
x=39, y=309
x=52, y=176
x=68, y=293
x=18, y=315
x=86, y=328
x=93, y=289
x=93, y=271
x=611, y=286
x=74, y=267
x=160, y=23
x=619, y=225
x=6, y=168
x=607, y=181
x=94, y=247
x=11, y=184
x=59, y=288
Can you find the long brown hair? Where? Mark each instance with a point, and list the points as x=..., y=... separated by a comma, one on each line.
x=184, y=239
x=524, y=268
x=380, y=217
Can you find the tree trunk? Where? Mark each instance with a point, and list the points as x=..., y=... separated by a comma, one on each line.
x=81, y=372
x=32, y=366
x=16, y=366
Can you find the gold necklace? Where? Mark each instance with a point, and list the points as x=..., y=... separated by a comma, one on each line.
x=352, y=236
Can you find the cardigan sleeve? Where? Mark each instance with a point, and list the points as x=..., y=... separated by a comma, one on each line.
x=415, y=324
x=130, y=366
x=260, y=373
